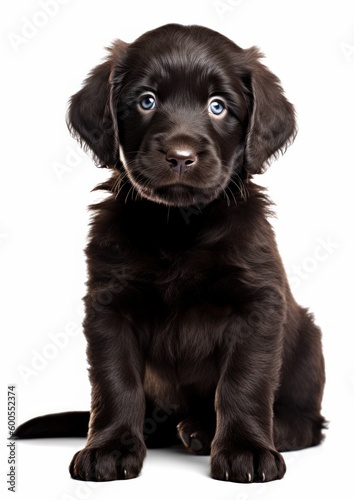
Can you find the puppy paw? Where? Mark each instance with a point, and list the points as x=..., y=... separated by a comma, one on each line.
x=107, y=463
x=194, y=437
x=247, y=465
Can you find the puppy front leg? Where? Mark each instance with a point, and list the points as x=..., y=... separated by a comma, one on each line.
x=243, y=448
x=115, y=447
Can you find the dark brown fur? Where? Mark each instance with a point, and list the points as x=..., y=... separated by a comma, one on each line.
x=193, y=333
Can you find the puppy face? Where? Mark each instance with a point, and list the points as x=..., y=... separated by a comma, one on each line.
x=183, y=112
x=184, y=128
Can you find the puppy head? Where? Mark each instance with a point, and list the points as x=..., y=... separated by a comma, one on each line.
x=184, y=112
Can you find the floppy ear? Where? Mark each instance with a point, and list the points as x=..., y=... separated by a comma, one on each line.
x=90, y=118
x=272, y=125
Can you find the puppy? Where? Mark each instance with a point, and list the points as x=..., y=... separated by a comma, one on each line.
x=193, y=334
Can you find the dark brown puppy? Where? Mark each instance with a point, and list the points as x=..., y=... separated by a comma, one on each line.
x=191, y=327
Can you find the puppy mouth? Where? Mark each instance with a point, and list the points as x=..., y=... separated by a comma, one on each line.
x=179, y=195
x=178, y=190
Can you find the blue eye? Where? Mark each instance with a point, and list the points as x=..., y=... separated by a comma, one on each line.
x=147, y=102
x=216, y=107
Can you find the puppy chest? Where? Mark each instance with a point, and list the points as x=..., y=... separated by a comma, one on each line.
x=183, y=280
x=188, y=333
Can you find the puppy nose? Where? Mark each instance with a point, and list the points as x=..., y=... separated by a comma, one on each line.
x=181, y=160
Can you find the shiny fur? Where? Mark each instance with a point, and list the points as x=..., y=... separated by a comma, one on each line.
x=193, y=333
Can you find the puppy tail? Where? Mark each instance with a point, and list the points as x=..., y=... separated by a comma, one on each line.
x=68, y=424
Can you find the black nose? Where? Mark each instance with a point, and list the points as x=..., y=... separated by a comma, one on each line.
x=181, y=160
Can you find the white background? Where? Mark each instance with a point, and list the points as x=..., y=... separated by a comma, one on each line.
x=43, y=224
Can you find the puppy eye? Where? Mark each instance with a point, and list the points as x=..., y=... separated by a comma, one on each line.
x=147, y=102
x=216, y=107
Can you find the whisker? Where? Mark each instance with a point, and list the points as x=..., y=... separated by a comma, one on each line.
x=126, y=198
x=232, y=194
x=117, y=183
x=227, y=197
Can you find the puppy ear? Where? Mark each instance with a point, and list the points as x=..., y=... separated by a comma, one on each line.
x=272, y=126
x=90, y=118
